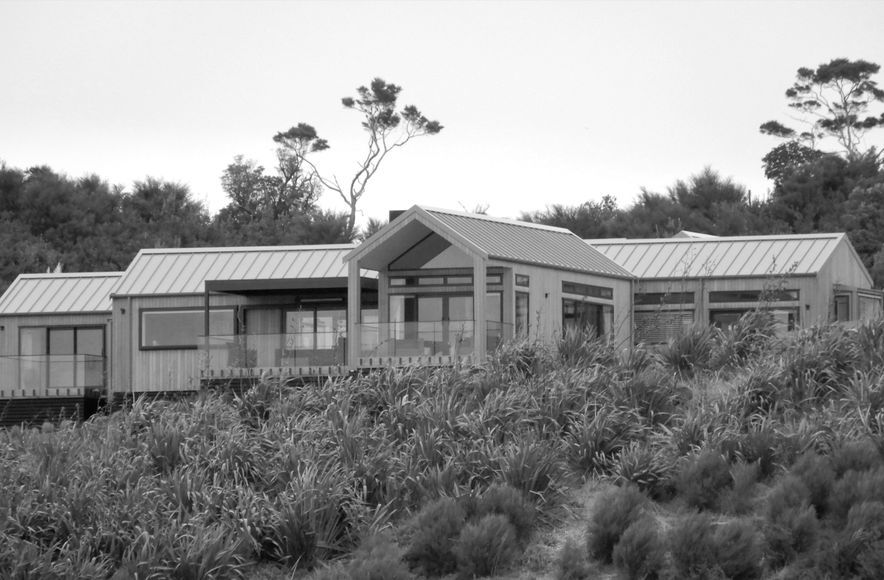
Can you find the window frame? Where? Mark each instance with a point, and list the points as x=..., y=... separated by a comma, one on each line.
x=178, y=309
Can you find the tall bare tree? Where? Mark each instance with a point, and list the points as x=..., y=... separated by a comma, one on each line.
x=387, y=126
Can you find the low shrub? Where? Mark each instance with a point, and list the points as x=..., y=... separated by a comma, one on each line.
x=788, y=492
x=740, y=497
x=614, y=511
x=858, y=455
x=571, y=562
x=793, y=532
x=816, y=473
x=738, y=549
x=692, y=547
x=378, y=558
x=855, y=487
x=510, y=502
x=437, y=526
x=485, y=547
x=640, y=552
x=701, y=479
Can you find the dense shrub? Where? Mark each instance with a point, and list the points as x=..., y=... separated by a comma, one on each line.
x=511, y=503
x=486, y=546
x=597, y=435
x=692, y=547
x=816, y=473
x=740, y=497
x=571, y=562
x=701, y=479
x=856, y=487
x=437, y=527
x=858, y=455
x=613, y=512
x=738, y=549
x=640, y=553
x=377, y=558
x=794, y=531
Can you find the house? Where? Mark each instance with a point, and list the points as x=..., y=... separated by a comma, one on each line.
x=182, y=316
x=432, y=287
x=803, y=280
x=54, y=341
x=454, y=285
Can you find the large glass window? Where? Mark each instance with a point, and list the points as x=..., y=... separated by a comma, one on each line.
x=584, y=315
x=182, y=329
x=61, y=357
x=431, y=324
x=315, y=336
x=785, y=319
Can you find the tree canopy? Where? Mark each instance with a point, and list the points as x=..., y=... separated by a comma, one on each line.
x=388, y=128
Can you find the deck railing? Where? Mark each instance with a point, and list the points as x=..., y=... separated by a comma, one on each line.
x=51, y=375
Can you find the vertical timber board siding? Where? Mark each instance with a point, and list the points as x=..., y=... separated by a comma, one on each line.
x=545, y=300
x=163, y=370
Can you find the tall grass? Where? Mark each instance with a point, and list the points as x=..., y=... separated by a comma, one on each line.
x=298, y=476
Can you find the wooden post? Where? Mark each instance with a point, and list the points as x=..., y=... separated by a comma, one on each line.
x=354, y=305
x=480, y=326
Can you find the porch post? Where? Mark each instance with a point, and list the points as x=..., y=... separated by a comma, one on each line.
x=354, y=300
x=480, y=286
x=207, y=330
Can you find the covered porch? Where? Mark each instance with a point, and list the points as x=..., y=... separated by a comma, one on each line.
x=442, y=299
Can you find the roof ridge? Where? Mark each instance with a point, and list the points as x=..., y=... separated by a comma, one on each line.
x=712, y=240
x=50, y=275
x=502, y=220
x=221, y=249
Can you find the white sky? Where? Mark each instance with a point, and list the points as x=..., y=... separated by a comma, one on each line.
x=542, y=102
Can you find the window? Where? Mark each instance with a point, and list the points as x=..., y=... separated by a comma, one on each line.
x=842, y=307
x=523, y=280
x=182, y=329
x=436, y=280
x=61, y=357
x=583, y=315
x=588, y=290
x=658, y=327
x=434, y=322
x=523, y=313
x=785, y=319
x=658, y=298
x=754, y=296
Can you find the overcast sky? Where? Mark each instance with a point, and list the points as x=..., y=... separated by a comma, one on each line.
x=541, y=102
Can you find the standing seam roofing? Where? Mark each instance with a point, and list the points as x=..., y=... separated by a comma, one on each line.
x=525, y=242
x=59, y=293
x=722, y=257
x=186, y=271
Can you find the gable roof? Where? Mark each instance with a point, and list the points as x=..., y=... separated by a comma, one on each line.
x=502, y=239
x=740, y=256
x=186, y=271
x=59, y=293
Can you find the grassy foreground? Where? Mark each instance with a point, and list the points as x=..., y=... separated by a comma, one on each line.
x=730, y=454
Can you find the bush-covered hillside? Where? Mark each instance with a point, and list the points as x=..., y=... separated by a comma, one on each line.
x=730, y=454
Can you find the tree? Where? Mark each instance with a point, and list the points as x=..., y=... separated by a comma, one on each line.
x=163, y=214
x=834, y=101
x=780, y=160
x=387, y=126
x=590, y=219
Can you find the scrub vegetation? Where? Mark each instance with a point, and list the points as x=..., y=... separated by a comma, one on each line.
x=762, y=458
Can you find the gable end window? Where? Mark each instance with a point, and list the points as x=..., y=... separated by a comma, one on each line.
x=588, y=290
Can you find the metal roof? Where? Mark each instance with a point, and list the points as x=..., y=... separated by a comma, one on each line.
x=185, y=271
x=495, y=238
x=743, y=256
x=59, y=293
